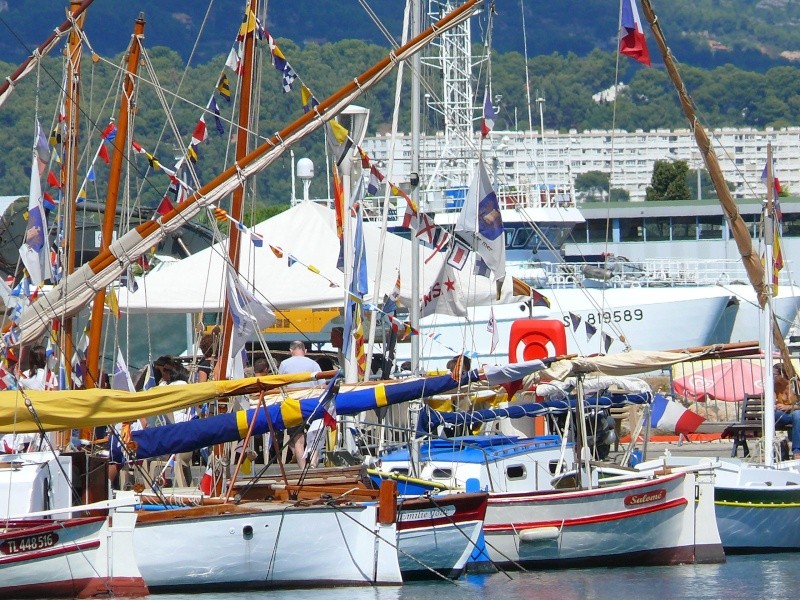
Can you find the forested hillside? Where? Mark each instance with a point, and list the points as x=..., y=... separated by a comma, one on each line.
x=725, y=95
x=752, y=34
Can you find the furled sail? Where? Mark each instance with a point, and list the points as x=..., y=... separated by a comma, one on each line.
x=78, y=288
x=67, y=409
x=229, y=427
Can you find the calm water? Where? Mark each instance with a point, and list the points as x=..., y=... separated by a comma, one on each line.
x=745, y=577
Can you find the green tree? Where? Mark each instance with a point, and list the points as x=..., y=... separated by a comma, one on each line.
x=619, y=195
x=669, y=181
x=593, y=185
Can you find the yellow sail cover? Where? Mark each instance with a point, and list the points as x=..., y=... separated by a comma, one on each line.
x=57, y=410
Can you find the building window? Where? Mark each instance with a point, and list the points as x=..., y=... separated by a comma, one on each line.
x=631, y=230
x=710, y=228
x=684, y=228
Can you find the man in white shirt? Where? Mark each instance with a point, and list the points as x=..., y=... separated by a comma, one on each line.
x=298, y=362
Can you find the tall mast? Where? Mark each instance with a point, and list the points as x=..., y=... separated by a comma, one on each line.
x=416, y=63
x=750, y=258
x=237, y=199
x=769, y=376
x=112, y=195
x=69, y=172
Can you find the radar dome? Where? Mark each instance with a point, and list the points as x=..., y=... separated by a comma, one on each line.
x=305, y=168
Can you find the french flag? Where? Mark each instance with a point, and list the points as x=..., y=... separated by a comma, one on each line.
x=632, y=43
x=488, y=115
x=670, y=415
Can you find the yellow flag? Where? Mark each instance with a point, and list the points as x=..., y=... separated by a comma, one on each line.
x=339, y=131
x=112, y=303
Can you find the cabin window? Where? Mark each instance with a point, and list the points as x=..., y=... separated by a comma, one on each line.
x=597, y=230
x=400, y=471
x=710, y=228
x=684, y=228
x=579, y=233
x=522, y=237
x=657, y=230
x=442, y=474
x=515, y=472
x=553, y=466
x=791, y=225
x=631, y=230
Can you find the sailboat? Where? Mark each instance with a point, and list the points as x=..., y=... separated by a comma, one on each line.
x=756, y=503
x=354, y=543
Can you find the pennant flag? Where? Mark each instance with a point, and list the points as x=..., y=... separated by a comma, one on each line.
x=110, y=132
x=409, y=217
x=191, y=154
x=224, y=87
x=777, y=262
x=53, y=181
x=121, y=379
x=234, y=60
x=137, y=147
x=112, y=303
x=632, y=42
x=103, y=154
x=520, y=288
x=670, y=415
x=55, y=136
x=481, y=225
x=42, y=148
x=256, y=239
x=90, y=174
x=152, y=160
x=539, y=299
x=607, y=341
x=491, y=327
x=358, y=284
x=129, y=281
x=426, y=229
x=375, y=179
x=339, y=141
x=276, y=251
x=48, y=202
x=35, y=250
x=291, y=260
x=575, y=320
x=307, y=99
x=212, y=106
x=590, y=331
x=149, y=378
x=458, y=255
x=481, y=268
x=777, y=189
x=488, y=114
x=200, y=134
x=248, y=313
x=164, y=206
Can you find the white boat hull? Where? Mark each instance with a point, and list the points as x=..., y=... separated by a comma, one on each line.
x=70, y=558
x=641, y=523
x=438, y=534
x=645, y=317
x=266, y=546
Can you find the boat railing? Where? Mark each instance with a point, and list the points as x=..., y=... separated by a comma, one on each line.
x=653, y=272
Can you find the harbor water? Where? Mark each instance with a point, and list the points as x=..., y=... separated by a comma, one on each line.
x=745, y=577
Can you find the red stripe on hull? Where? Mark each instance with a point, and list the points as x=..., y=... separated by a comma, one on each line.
x=122, y=587
x=69, y=548
x=603, y=518
x=40, y=527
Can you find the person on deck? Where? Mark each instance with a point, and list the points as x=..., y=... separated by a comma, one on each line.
x=787, y=411
x=33, y=378
x=298, y=362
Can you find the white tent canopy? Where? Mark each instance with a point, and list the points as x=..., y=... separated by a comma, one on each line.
x=307, y=232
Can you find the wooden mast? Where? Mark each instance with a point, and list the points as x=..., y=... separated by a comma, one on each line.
x=237, y=198
x=69, y=172
x=126, y=103
x=741, y=234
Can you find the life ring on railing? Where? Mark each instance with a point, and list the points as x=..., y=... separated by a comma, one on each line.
x=536, y=338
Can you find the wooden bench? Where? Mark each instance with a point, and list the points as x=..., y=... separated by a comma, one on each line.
x=750, y=425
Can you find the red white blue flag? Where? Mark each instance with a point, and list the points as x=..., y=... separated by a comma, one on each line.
x=632, y=42
x=488, y=115
x=670, y=415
